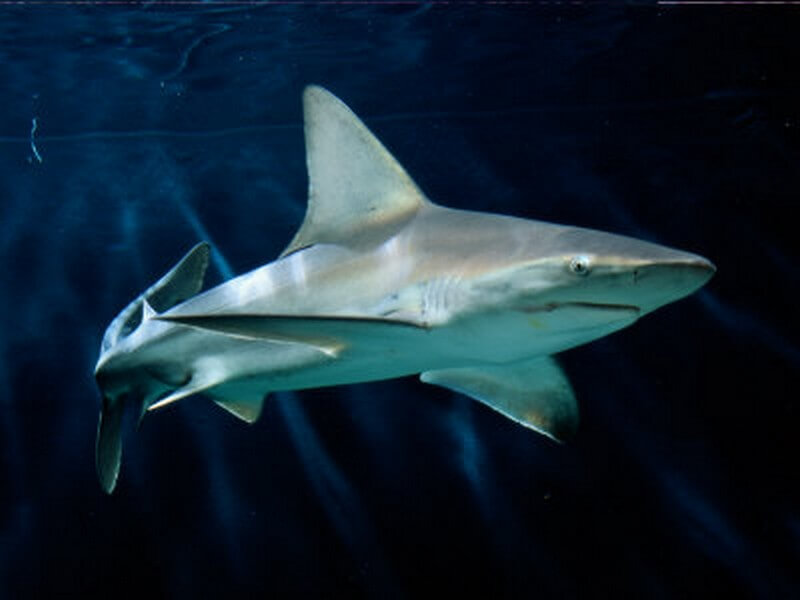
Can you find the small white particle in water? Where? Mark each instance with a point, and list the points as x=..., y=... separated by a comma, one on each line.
x=34, y=125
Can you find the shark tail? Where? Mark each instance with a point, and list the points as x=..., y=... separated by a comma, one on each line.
x=181, y=282
x=108, y=450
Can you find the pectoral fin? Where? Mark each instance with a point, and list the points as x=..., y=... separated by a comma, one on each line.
x=535, y=393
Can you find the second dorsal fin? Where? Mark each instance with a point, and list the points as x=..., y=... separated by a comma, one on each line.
x=358, y=193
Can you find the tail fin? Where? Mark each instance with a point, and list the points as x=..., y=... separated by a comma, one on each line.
x=182, y=281
x=108, y=451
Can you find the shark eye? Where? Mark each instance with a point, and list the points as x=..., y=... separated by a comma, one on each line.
x=579, y=265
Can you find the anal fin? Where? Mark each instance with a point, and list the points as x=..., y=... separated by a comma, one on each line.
x=535, y=393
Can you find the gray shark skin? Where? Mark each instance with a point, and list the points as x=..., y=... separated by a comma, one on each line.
x=380, y=282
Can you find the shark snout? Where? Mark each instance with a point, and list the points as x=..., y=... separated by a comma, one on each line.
x=662, y=282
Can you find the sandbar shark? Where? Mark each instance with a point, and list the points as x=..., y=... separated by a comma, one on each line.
x=380, y=282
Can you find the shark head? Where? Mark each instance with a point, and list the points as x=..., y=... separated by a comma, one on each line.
x=578, y=284
x=594, y=267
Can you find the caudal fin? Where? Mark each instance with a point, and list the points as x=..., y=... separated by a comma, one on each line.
x=108, y=451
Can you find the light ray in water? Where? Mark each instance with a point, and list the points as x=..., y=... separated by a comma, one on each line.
x=220, y=263
x=471, y=451
x=744, y=322
x=338, y=498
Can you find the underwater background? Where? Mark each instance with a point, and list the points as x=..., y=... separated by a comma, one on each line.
x=130, y=132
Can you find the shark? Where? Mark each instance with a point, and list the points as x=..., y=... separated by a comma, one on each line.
x=380, y=282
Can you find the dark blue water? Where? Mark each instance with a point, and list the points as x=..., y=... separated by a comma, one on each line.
x=160, y=125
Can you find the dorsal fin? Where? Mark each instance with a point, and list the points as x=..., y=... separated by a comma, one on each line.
x=181, y=282
x=357, y=193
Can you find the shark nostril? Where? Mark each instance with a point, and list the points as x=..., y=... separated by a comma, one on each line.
x=635, y=275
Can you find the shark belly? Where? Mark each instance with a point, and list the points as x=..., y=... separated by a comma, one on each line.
x=375, y=352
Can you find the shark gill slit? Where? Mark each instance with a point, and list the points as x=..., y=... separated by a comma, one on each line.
x=437, y=296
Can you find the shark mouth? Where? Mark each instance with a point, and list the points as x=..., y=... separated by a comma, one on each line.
x=551, y=306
